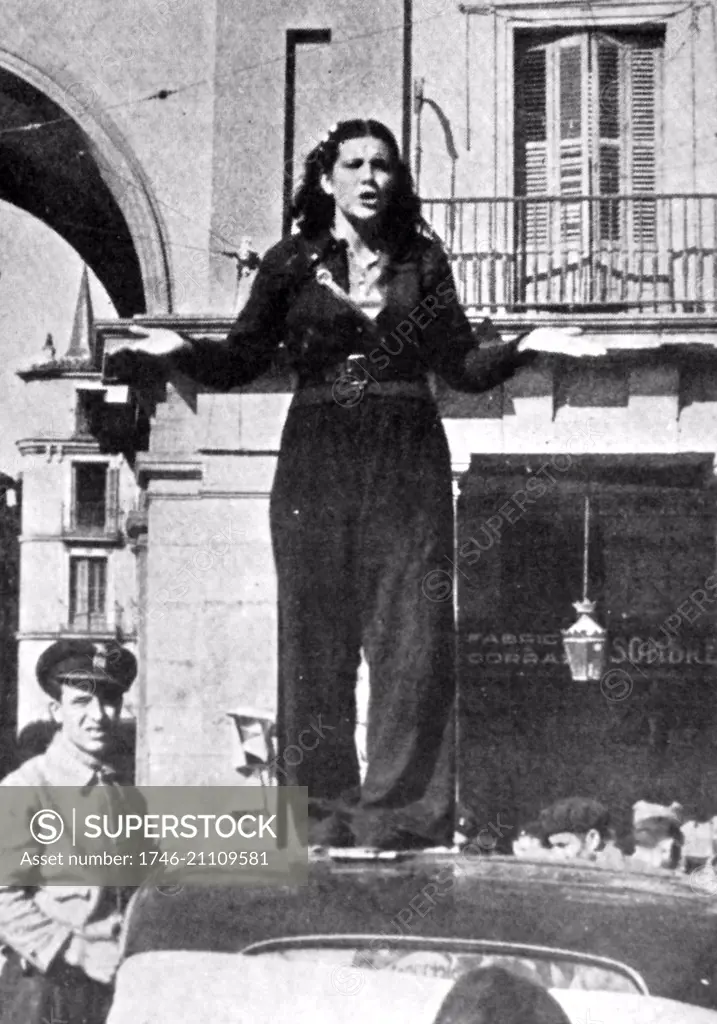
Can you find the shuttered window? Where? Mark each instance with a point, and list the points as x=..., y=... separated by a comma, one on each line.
x=586, y=124
x=643, y=80
x=88, y=593
x=531, y=171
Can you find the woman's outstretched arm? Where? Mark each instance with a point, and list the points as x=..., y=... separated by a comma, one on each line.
x=246, y=352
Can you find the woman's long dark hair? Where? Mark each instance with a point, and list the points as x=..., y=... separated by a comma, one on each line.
x=313, y=209
x=492, y=995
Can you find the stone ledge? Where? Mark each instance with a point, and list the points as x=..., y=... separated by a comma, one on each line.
x=177, y=466
x=620, y=325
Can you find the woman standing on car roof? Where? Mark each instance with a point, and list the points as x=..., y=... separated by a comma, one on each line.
x=363, y=298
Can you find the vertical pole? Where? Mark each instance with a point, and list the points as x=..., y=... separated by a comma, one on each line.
x=289, y=129
x=586, y=541
x=456, y=663
x=137, y=533
x=407, y=78
x=294, y=37
x=418, y=100
x=468, y=81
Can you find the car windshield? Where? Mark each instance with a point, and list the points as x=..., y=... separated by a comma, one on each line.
x=449, y=959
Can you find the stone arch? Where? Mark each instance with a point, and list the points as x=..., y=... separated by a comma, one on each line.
x=80, y=176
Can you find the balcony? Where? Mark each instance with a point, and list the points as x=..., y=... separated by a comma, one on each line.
x=87, y=622
x=646, y=253
x=92, y=522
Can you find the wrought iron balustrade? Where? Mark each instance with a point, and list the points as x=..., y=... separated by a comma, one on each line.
x=651, y=253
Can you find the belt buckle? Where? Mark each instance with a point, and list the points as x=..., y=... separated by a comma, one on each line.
x=353, y=366
x=349, y=387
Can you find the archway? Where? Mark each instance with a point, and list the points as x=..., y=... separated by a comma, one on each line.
x=63, y=161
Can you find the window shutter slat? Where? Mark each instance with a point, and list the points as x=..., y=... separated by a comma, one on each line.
x=643, y=65
x=608, y=65
x=531, y=118
x=643, y=72
x=532, y=149
x=571, y=92
x=80, y=573
x=97, y=586
x=571, y=172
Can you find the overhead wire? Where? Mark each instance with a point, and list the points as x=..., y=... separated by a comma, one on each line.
x=163, y=94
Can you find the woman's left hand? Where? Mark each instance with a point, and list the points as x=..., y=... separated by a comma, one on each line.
x=566, y=341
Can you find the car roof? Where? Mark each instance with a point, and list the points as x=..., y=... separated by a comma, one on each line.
x=658, y=925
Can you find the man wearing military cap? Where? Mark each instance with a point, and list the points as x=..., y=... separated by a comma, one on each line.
x=61, y=943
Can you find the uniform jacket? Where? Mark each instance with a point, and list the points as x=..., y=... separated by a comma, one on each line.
x=422, y=326
x=38, y=921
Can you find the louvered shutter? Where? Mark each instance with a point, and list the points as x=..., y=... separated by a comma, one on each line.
x=586, y=120
x=602, y=138
x=531, y=169
x=573, y=141
x=79, y=589
x=606, y=126
x=97, y=589
x=643, y=76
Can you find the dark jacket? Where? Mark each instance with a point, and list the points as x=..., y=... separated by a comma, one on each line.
x=421, y=328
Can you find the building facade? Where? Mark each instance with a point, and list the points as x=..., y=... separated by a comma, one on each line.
x=566, y=155
x=76, y=560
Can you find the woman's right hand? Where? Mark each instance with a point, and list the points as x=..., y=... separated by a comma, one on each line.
x=149, y=355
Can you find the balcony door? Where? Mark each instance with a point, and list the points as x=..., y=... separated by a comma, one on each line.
x=586, y=151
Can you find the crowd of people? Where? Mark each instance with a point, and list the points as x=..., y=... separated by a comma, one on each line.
x=580, y=828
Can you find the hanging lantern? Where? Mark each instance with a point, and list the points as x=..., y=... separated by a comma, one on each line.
x=585, y=642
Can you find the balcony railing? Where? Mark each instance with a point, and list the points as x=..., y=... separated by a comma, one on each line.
x=87, y=622
x=634, y=253
x=91, y=520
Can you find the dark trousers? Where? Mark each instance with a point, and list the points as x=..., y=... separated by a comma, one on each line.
x=63, y=996
x=362, y=529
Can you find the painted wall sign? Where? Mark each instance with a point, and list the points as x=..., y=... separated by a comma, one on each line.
x=546, y=649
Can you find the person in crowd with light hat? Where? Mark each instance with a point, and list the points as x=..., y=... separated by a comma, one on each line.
x=578, y=828
x=60, y=943
x=657, y=834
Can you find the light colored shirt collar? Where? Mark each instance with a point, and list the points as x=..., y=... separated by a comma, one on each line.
x=367, y=279
x=67, y=765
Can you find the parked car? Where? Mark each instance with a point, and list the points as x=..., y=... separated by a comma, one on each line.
x=365, y=935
